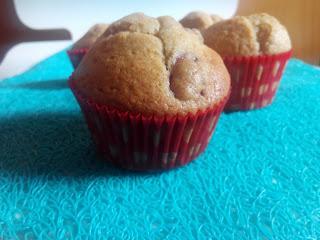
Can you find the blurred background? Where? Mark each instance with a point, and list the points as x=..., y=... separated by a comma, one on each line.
x=76, y=17
x=32, y=30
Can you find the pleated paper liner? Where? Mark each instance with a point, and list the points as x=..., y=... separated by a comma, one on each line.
x=254, y=80
x=138, y=142
x=76, y=55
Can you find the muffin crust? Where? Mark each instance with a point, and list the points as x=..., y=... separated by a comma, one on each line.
x=199, y=20
x=91, y=36
x=152, y=66
x=248, y=36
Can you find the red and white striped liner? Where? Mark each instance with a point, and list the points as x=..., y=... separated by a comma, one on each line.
x=138, y=142
x=254, y=79
x=76, y=55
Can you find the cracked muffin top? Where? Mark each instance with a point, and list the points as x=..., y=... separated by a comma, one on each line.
x=91, y=36
x=248, y=36
x=199, y=20
x=152, y=66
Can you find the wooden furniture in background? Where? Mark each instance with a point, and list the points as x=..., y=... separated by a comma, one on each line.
x=301, y=17
x=13, y=31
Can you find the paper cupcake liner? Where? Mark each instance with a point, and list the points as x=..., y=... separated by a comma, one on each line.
x=254, y=80
x=76, y=55
x=138, y=142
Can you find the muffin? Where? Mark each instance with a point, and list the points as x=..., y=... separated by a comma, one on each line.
x=255, y=50
x=199, y=20
x=151, y=93
x=80, y=48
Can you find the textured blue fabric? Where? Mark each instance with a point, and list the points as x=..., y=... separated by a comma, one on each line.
x=258, y=179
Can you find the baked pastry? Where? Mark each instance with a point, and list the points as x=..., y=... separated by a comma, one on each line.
x=255, y=50
x=81, y=47
x=186, y=75
x=158, y=87
x=88, y=39
x=248, y=36
x=199, y=20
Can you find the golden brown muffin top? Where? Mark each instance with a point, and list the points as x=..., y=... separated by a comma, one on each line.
x=248, y=36
x=87, y=40
x=196, y=32
x=152, y=66
x=199, y=20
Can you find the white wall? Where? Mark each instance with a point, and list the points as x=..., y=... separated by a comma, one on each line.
x=78, y=16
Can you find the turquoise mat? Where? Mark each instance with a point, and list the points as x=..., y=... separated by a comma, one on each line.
x=258, y=179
